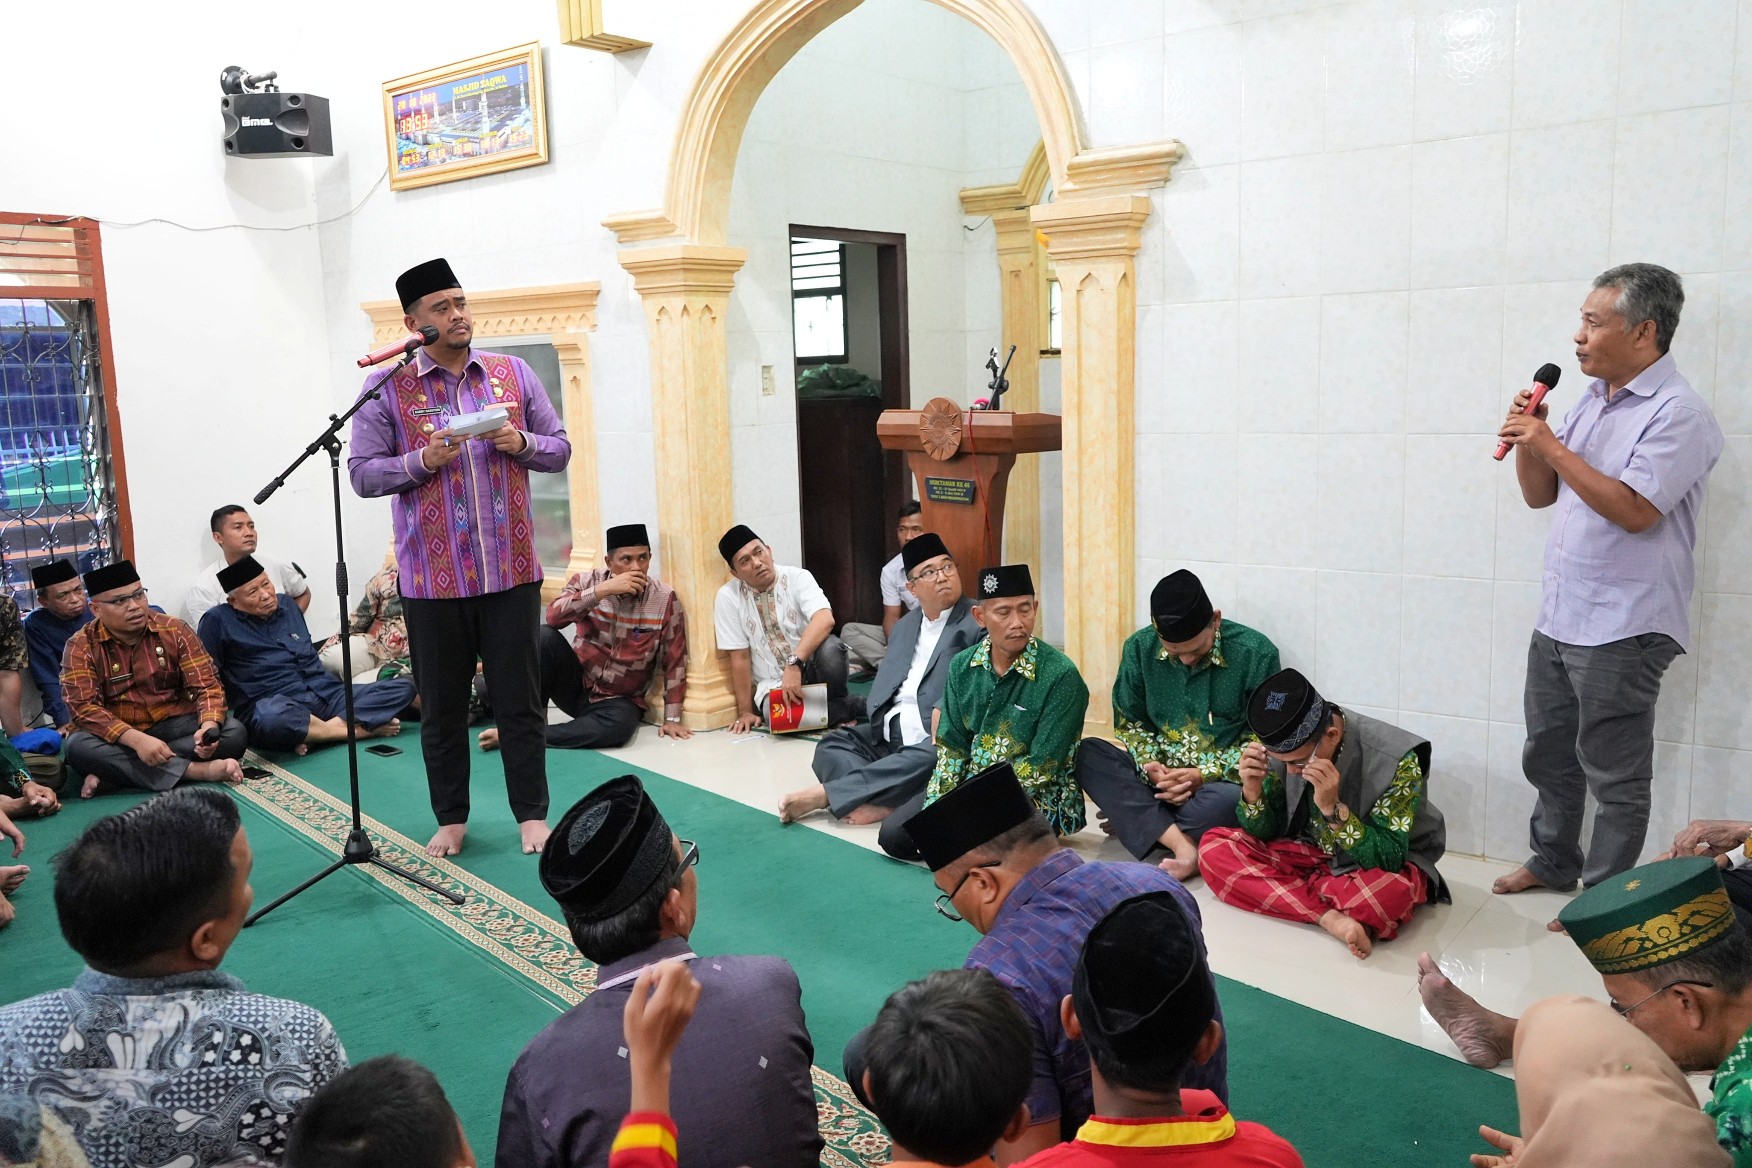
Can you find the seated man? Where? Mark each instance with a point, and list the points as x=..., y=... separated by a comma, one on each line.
x=1336, y=825
x=994, y=859
x=1180, y=708
x=946, y=1069
x=279, y=689
x=1009, y=698
x=1142, y=1002
x=154, y=1056
x=378, y=631
x=387, y=1110
x=148, y=707
x=630, y=896
x=866, y=645
x=777, y=626
x=630, y=628
x=1672, y=960
x=61, y=611
x=868, y=770
x=235, y=533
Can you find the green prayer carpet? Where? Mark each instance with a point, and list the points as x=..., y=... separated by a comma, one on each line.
x=394, y=976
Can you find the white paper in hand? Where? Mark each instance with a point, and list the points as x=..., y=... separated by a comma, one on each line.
x=478, y=423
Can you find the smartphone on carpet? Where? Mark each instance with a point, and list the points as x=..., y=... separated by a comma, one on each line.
x=383, y=748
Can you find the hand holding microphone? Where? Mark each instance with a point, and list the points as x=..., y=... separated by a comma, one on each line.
x=1528, y=403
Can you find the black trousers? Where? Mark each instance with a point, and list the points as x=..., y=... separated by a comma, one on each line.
x=595, y=725
x=444, y=638
x=1108, y=775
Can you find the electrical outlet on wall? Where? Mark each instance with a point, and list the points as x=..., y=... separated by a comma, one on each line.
x=768, y=387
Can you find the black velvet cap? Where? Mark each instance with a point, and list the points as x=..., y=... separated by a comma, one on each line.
x=1179, y=608
x=607, y=851
x=1006, y=580
x=1141, y=987
x=49, y=575
x=733, y=541
x=978, y=811
x=1286, y=711
x=110, y=576
x=921, y=548
x=423, y=280
x=626, y=535
x=235, y=576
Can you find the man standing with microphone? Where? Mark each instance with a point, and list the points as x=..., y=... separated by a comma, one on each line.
x=465, y=544
x=1626, y=469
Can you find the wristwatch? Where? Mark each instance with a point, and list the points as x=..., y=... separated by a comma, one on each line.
x=793, y=660
x=672, y=719
x=1336, y=817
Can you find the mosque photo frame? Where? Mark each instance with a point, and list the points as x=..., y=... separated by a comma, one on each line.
x=479, y=116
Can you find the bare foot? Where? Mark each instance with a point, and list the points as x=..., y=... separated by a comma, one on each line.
x=7, y=912
x=1485, y=1038
x=448, y=841
x=215, y=770
x=867, y=814
x=1520, y=880
x=11, y=876
x=1352, y=932
x=1556, y=926
x=535, y=834
x=489, y=738
x=89, y=787
x=1182, y=861
x=301, y=749
x=797, y=804
x=388, y=730
x=1181, y=870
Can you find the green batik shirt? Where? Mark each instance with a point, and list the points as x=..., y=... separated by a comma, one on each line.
x=1032, y=717
x=1378, y=840
x=1730, y=1103
x=1165, y=712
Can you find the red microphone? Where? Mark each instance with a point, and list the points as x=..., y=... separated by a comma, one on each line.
x=1542, y=383
x=426, y=336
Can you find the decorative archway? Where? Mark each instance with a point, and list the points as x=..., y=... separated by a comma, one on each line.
x=685, y=275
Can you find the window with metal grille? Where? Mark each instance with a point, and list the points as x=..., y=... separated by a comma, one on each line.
x=60, y=452
x=818, y=301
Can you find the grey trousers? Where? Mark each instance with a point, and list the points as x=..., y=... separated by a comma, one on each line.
x=859, y=766
x=116, y=765
x=1591, y=729
x=866, y=645
x=1108, y=775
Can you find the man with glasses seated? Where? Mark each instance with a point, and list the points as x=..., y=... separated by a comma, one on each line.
x=147, y=706
x=1673, y=960
x=868, y=770
x=998, y=866
x=629, y=890
x=1336, y=827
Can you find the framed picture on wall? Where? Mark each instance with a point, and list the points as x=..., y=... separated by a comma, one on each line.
x=478, y=116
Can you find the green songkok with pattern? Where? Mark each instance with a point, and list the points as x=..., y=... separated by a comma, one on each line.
x=1650, y=915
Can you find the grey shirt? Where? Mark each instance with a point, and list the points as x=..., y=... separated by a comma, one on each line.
x=741, y=1086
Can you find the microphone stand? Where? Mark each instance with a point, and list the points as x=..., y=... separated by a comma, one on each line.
x=999, y=383
x=359, y=849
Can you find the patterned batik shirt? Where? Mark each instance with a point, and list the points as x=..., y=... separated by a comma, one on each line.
x=1730, y=1102
x=1167, y=713
x=177, y=1072
x=1378, y=840
x=622, y=640
x=14, y=653
x=379, y=619
x=1032, y=717
x=112, y=687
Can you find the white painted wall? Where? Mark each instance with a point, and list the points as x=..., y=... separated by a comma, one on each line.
x=1389, y=212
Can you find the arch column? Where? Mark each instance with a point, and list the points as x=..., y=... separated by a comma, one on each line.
x=686, y=293
x=1094, y=242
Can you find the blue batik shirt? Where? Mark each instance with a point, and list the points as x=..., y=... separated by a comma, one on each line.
x=1033, y=949
x=46, y=636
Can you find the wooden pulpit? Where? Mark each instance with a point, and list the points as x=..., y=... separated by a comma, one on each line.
x=960, y=462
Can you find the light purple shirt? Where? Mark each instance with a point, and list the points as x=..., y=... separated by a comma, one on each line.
x=380, y=463
x=1603, y=584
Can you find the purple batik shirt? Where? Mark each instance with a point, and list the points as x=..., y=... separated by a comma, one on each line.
x=379, y=464
x=1603, y=584
x=1033, y=949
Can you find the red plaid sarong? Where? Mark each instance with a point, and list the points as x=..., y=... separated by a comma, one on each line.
x=1293, y=881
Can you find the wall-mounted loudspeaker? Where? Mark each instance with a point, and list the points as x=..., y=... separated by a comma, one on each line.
x=275, y=124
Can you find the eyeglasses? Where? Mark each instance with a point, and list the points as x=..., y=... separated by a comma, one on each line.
x=924, y=574
x=690, y=855
x=1624, y=1011
x=945, y=902
x=139, y=594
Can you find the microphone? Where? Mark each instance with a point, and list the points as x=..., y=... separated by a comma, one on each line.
x=426, y=336
x=1542, y=383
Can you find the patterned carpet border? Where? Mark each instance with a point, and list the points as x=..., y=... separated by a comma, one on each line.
x=529, y=942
